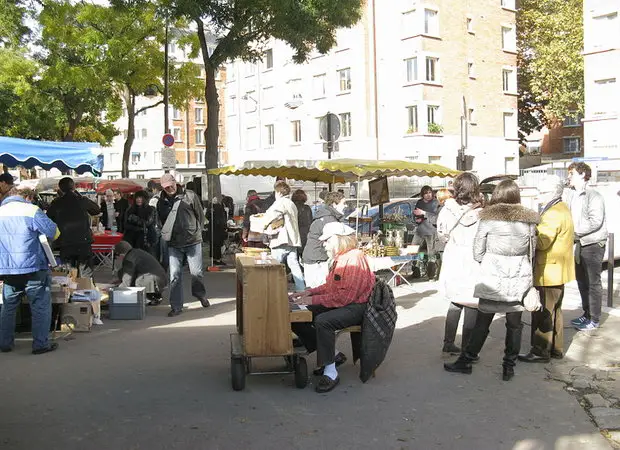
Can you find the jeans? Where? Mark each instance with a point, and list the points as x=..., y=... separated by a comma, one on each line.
x=36, y=286
x=481, y=331
x=320, y=335
x=588, y=273
x=193, y=253
x=289, y=254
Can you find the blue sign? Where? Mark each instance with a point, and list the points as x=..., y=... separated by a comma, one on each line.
x=592, y=158
x=168, y=140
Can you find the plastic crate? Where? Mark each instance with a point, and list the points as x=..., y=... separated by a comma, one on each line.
x=127, y=304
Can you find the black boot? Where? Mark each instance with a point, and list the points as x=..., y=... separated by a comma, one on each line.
x=461, y=365
x=508, y=373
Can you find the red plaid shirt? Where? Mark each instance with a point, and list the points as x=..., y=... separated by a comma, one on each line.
x=350, y=280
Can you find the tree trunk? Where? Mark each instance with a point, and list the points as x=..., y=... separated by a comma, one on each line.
x=130, y=103
x=212, y=133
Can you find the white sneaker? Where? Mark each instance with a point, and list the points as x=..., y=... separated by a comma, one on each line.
x=97, y=321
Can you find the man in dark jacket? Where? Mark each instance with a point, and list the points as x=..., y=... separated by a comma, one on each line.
x=140, y=269
x=71, y=213
x=182, y=217
x=315, y=258
x=121, y=205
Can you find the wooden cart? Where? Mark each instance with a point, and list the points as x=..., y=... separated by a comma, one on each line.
x=264, y=319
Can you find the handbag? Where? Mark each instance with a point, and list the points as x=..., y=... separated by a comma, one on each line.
x=166, y=231
x=531, y=299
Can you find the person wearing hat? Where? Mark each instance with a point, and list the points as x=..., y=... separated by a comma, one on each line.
x=182, y=217
x=71, y=213
x=6, y=183
x=140, y=269
x=555, y=266
x=339, y=303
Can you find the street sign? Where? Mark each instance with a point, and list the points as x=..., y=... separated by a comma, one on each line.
x=329, y=127
x=591, y=159
x=334, y=147
x=167, y=140
x=168, y=158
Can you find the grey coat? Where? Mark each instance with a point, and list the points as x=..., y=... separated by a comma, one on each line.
x=502, y=246
x=588, y=211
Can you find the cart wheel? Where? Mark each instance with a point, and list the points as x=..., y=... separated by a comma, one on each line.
x=237, y=372
x=301, y=372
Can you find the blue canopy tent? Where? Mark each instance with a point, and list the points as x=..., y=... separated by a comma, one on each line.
x=83, y=157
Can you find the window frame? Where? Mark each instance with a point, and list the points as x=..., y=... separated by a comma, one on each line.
x=411, y=65
x=268, y=60
x=202, y=115
x=297, y=131
x=568, y=139
x=413, y=119
x=199, y=132
x=347, y=80
x=270, y=135
x=346, y=124
x=427, y=26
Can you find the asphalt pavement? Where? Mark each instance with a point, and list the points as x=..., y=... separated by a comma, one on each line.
x=164, y=383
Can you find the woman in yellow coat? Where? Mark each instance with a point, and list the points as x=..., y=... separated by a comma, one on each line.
x=555, y=266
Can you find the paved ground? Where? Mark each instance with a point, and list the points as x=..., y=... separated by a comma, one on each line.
x=164, y=384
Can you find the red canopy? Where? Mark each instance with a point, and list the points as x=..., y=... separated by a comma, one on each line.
x=125, y=185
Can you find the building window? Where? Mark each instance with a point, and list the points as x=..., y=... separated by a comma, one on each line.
x=295, y=88
x=268, y=100
x=135, y=158
x=434, y=159
x=431, y=22
x=344, y=77
x=318, y=86
x=572, y=145
x=408, y=23
x=144, y=133
x=176, y=113
x=268, y=59
x=250, y=69
x=411, y=70
x=199, y=115
x=345, y=124
x=176, y=132
x=199, y=134
x=507, y=80
x=471, y=73
x=432, y=69
x=572, y=120
x=603, y=27
x=172, y=48
x=296, y=125
x=412, y=119
x=508, y=4
x=471, y=116
x=140, y=177
x=470, y=25
x=251, y=138
x=509, y=39
x=270, y=136
x=113, y=157
x=200, y=156
x=432, y=114
x=510, y=126
x=199, y=100
x=231, y=108
x=157, y=157
x=111, y=177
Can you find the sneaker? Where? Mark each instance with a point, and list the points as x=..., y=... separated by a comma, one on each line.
x=50, y=348
x=578, y=321
x=97, y=321
x=587, y=326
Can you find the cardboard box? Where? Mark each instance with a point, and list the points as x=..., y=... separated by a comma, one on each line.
x=60, y=294
x=78, y=316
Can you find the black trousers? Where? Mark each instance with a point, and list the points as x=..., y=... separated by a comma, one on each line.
x=481, y=331
x=452, y=323
x=588, y=274
x=82, y=261
x=320, y=335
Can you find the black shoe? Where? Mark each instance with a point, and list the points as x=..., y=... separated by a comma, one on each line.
x=557, y=355
x=297, y=343
x=325, y=384
x=50, y=348
x=6, y=349
x=508, y=373
x=219, y=263
x=205, y=302
x=340, y=359
x=154, y=302
x=174, y=313
x=458, y=366
x=532, y=358
x=451, y=348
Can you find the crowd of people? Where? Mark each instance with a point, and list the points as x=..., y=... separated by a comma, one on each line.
x=492, y=254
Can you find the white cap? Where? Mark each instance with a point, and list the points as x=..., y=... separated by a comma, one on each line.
x=336, y=229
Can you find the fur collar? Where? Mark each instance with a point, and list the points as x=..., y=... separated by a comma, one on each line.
x=509, y=213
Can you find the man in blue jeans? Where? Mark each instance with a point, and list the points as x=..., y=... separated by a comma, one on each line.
x=24, y=269
x=182, y=218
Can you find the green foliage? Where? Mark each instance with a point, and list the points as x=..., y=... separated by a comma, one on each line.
x=435, y=128
x=13, y=31
x=550, y=76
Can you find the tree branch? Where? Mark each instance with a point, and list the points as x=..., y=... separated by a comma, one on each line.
x=144, y=108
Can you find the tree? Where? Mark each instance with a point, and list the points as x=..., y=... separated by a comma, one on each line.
x=13, y=31
x=121, y=48
x=550, y=64
x=230, y=30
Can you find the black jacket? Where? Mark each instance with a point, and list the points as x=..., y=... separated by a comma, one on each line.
x=71, y=214
x=137, y=262
x=314, y=252
x=140, y=229
x=217, y=222
x=253, y=206
x=304, y=220
x=188, y=225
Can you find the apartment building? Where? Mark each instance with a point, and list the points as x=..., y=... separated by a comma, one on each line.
x=602, y=87
x=187, y=125
x=413, y=80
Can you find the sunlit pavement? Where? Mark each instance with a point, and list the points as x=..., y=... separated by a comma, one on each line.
x=164, y=383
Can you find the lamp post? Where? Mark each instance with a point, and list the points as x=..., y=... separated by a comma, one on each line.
x=166, y=82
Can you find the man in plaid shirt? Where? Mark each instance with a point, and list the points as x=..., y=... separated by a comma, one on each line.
x=337, y=304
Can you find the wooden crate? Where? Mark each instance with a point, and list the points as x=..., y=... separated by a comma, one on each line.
x=263, y=314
